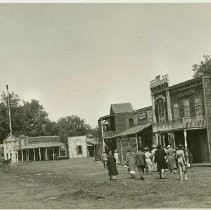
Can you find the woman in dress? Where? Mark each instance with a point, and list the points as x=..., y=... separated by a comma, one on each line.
x=148, y=156
x=131, y=163
x=116, y=155
x=160, y=159
x=171, y=154
x=182, y=166
x=111, y=165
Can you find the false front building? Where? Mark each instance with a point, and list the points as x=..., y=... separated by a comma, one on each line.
x=182, y=115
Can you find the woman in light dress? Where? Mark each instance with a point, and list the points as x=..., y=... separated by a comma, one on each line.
x=148, y=155
x=182, y=165
x=131, y=163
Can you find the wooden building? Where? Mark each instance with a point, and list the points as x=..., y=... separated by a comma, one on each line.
x=126, y=128
x=182, y=115
x=33, y=148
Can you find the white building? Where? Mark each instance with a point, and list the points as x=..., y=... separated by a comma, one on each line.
x=32, y=148
x=82, y=146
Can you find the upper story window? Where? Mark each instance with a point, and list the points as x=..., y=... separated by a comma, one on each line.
x=198, y=107
x=186, y=104
x=176, y=111
x=161, y=110
x=131, y=122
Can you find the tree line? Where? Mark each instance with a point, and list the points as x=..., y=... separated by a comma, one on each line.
x=29, y=118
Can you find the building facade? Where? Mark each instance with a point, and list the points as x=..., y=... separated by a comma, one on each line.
x=182, y=115
x=126, y=128
x=82, y=146
x=33, y=148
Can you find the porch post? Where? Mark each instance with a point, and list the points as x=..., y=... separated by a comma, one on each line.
x=22, y=155
x=46, y=153
x=163, y=139
x=128, y=142
x=27, y=154
x=60, y=151
x=136, y=142
x=120, y=141
x=53, y=153
x=39, y=154
x=185, y=138
x=34, y=154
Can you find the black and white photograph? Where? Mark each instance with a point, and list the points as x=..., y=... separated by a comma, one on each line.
x=105, y=105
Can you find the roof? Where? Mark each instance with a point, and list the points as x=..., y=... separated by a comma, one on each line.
x=133, y=130
x=46, y=144
x=185, y=82
x=91, y=142
x=10, y=138
x=121, y=108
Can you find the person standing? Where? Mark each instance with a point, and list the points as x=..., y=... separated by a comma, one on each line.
x=130, y=162
x=171, y=154
x=116, y=155
x=148, y=156
x=111, y=165
x=153, y=158
x=140, y=162
x=160, y=159
x=181, y=163
x=104, y=159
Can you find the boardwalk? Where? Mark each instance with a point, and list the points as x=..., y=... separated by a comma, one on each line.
x=83, y=183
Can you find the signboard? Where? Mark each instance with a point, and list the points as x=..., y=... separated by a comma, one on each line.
x=142, y=116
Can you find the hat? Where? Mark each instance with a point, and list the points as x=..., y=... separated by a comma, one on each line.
x=168, y=146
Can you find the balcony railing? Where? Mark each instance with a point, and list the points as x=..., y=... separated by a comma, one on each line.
x=183, y=123
x=108, y=134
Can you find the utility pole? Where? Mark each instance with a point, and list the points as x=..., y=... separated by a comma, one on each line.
x=8, y=102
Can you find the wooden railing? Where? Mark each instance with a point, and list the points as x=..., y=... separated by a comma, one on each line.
x=108, y=134
x=186, y=122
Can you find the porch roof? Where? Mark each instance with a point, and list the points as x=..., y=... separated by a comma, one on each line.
x=41, y=145
x=133, y=130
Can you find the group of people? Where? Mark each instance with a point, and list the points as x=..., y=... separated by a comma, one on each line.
x=158, y=159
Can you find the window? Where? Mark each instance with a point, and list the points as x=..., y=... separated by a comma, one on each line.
x=161, y=110
x=198, y=107
x=79, y=150
x=186, y=105
x=131, y=123
x=176, y=111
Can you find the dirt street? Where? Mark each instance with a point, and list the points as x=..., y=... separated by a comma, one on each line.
x=84, y=183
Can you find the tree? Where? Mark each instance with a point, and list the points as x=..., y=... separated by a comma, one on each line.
x=36, y=122
x=204, y=68
x=72, y=126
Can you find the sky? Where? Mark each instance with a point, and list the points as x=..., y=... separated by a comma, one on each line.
x=77, y=59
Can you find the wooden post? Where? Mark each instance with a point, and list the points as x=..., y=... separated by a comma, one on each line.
x=59, y=151
x=53, y=153
x=128, y=142
x=34, y=154
x=27, y=155
x=39, y=154
x=185, y=138
x=46, y=153
x=120, y=141
x=94, y=150
x=22, y=155
x=137, y=142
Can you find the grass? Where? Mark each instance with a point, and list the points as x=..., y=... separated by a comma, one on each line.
x=84, y=183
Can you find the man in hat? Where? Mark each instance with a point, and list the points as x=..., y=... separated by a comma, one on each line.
x=171, y=154
x=140, y=162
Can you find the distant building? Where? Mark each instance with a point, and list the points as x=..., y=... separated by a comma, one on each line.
x=1, y=150
x=182, y=115
x=32, y=148
x=82, y=146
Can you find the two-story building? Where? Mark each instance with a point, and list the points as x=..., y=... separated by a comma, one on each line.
x=182, y=115
x=126, y=128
